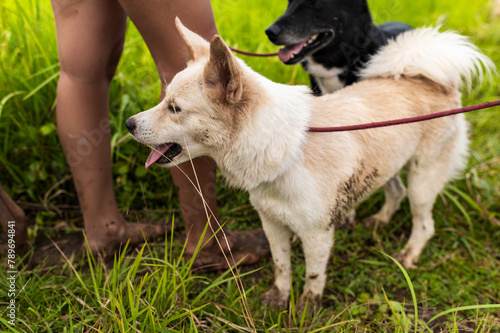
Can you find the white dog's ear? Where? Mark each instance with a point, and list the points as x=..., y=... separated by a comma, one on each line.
x=197, y=46
x=223, y=76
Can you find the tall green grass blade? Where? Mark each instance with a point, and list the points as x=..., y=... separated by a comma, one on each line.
x=93, y=273
x=41, y=85
x=464, y=308
x=410, y=285
x=469, y=249
x=461, y=208
x=33, y=30
x=303, y=316
x=389, y=303
x=221, y=279
x=6, y=99
x=12, y=171
x=45, y=70
x=465, y=197
x=11, y=328
x=329, y=328
x=183, y=315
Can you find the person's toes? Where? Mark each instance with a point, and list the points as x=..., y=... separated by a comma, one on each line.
x=140, y=232
x=134, y=233
x=246, y=248
x=251, y=245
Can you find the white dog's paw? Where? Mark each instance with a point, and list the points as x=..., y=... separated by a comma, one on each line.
x=407, y=258
x=312, y=301
x=275, y=298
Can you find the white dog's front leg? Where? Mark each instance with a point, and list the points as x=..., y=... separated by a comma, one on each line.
x=317, y=244
x=279, y=240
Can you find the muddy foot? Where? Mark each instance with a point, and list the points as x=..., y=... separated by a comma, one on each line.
x=246, y=248
x=117, y=234
x=275, y=299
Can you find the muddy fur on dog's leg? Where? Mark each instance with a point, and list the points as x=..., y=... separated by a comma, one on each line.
x=395, y=192
x=422, y=231
x=317, y=245
x=279, y=237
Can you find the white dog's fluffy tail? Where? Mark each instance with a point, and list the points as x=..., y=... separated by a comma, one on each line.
x=446, y=58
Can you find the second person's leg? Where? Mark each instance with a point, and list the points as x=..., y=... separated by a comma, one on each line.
x=155, y=20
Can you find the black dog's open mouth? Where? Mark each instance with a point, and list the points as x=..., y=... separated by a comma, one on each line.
x=163, y=154
x=293, y=54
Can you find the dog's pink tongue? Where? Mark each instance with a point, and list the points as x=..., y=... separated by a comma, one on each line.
x=156, y=153
x=286, y=53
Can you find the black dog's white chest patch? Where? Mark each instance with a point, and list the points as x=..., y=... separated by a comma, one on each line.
x=329, y=80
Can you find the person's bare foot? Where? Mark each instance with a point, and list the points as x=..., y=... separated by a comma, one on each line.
x=114, y=233
x=246, y=248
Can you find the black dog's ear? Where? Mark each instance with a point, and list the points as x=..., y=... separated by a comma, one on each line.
x=223, y=76
x=197, y=46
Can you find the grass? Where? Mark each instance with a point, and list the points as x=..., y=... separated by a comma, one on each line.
x=152, y=289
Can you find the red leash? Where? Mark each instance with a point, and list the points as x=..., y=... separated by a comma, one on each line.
x=481, y=106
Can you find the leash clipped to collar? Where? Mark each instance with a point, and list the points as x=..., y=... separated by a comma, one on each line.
x=481, y=106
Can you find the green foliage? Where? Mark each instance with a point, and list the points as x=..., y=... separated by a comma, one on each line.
x=154, y=290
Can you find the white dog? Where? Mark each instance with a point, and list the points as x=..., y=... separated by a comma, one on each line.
x=302, y=182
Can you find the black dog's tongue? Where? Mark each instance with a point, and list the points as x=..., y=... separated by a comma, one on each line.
x=286, y=53
x=156, y=153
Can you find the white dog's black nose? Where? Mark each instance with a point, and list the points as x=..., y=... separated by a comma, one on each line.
x=131, y=125
x=273, y=31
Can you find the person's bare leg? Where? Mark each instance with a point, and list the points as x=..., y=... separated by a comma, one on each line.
x=156, y=24
x=10, y=211
x=90, y=38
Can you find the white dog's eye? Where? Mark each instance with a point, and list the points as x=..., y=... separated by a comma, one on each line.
x=174, y=109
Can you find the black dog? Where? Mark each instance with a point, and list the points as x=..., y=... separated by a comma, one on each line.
x=331, y=38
